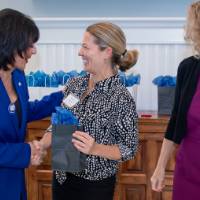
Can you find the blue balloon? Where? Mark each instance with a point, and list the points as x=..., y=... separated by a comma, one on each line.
x=164, y=81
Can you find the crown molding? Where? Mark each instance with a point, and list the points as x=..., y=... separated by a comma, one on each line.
x=129, y=22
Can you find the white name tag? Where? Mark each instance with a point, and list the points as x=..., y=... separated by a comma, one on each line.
x=70, y=101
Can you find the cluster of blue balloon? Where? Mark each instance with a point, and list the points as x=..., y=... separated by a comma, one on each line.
x=42, y=79
x=129, y=80
x=165, y=81
x=63, y=116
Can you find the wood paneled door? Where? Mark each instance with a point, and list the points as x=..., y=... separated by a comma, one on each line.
x=133, y=181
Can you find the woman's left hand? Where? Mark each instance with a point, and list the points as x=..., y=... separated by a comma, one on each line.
x=84, y=142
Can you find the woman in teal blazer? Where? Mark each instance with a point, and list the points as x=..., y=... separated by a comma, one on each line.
x=18, y=33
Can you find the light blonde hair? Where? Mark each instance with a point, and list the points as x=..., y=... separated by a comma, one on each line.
x=110, y=35
x=192, y=28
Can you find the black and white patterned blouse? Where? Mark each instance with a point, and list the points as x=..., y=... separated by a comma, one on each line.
x=109, y=115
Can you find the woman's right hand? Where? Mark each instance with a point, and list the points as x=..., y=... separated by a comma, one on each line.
x=37, y=153
x=157, y=180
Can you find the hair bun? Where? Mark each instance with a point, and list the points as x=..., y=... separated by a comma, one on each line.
x=128, y=60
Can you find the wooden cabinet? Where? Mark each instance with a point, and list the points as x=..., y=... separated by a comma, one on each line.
x=134, y=175
x=38, y=179
x=133, y=182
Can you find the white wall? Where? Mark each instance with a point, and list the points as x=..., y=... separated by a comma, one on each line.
x=159, y=41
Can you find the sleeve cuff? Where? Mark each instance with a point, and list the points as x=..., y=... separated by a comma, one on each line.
x=126, y=153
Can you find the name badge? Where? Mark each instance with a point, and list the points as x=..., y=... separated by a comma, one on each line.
x=70, y=101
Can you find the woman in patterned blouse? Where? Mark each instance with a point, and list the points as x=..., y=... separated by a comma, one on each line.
x=107, y=112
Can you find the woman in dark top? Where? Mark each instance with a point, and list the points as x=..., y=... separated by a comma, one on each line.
x=184, y=124
x=107, y=112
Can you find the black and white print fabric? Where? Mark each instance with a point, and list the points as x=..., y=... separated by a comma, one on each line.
x=109, y=115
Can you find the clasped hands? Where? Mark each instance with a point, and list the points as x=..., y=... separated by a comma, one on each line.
x=38, y=152
x=81, y=140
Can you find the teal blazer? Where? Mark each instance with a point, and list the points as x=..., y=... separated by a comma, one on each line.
x=14, y=152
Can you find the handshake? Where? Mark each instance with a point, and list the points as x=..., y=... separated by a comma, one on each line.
x=38, y=152
x=62, y=117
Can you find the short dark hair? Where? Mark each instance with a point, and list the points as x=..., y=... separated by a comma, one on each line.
x=18, y=32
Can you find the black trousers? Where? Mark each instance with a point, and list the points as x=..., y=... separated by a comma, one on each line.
x=75, y=188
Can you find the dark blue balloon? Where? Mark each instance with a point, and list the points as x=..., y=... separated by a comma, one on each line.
x=167, y=80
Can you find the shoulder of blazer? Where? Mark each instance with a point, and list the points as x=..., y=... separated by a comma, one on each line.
x=188, y=63
x=19, y=72
x=187, y=68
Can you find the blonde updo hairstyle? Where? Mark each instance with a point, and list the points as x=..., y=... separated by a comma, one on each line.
x=192, y=28
x=110, y=35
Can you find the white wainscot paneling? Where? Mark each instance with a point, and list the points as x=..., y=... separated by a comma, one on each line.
x=158, y=40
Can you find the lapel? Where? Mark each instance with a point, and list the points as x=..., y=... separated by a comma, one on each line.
x=20, y=86
x=5, y=101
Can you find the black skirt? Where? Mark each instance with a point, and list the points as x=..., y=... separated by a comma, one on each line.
x=76, y=188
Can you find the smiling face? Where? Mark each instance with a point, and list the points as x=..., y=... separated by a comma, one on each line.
x=93, y=58
x=20, y=62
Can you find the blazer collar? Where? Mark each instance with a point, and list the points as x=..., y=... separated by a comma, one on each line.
x=20, y=87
